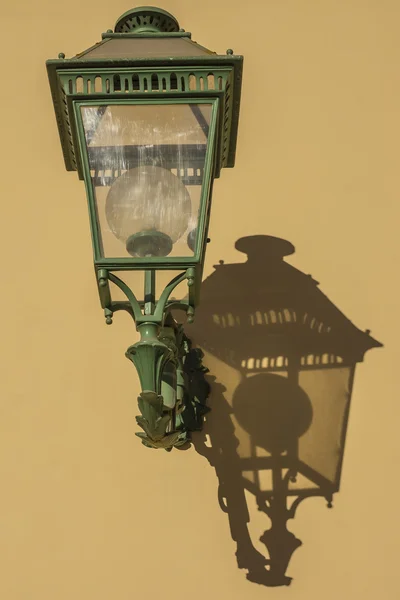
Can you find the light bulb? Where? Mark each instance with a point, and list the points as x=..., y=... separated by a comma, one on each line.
x=149, y=209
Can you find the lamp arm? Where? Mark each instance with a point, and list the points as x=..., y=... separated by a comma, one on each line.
x=173, y=394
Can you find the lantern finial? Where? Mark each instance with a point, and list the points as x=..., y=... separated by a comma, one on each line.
x=146, y=19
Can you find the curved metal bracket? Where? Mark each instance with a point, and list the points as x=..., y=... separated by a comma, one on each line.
x=134, y=304
x=174, y=392
x=161, y=304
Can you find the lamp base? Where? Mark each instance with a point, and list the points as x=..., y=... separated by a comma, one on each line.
x=167, y=419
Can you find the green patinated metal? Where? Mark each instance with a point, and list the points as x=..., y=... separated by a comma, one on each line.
x=148, y=59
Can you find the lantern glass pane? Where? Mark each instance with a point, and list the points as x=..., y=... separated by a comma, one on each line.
x=146, y=166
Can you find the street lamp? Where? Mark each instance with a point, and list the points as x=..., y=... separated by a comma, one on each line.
x=148, y=118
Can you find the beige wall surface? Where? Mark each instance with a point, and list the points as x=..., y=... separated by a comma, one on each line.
x=86, y=512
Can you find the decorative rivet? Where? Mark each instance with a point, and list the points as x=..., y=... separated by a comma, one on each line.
x=61, y=55
x=367, y=331
x=221, y=262
x=229, y=51
x=110, y=31
x=109, y=320
x=329, y=505
x=182, y=30
x=208, y=240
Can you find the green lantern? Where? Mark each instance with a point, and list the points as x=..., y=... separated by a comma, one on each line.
x=148, y=118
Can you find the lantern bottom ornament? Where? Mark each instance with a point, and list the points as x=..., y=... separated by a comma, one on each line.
x=165, y=361
x=174, y=392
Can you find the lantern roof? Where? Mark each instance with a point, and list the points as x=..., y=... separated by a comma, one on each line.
x=148, y=56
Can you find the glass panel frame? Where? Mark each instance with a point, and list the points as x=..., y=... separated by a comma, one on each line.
x=175, y=262
x=149, y=161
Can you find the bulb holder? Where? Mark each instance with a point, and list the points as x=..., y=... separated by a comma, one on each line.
x=149, y=243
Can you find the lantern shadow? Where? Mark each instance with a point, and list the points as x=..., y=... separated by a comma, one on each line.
x=279, y=412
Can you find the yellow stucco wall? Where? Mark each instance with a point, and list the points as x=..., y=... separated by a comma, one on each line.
x=86, y=512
